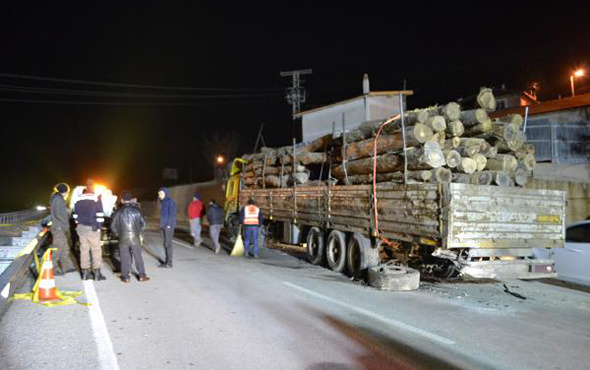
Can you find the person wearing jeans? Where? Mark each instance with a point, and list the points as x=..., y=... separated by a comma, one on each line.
x=167, y=224
x=251, y=219
x=216, y=216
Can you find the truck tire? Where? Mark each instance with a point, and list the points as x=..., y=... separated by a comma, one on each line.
x=315, y=246
x=390, y=276
x=336, y=250
x=360, y=255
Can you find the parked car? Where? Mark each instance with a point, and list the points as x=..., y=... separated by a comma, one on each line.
x=572, y=263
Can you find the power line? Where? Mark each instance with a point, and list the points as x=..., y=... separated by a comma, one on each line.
x=73, y=102
x=56, y=91
x=116, y=84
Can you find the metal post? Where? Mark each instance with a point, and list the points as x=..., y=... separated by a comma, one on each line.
x=552, y=128
x=264, y=171
x=401, y=113
x=282, y=170
x=344, y=161
x=294, y=183
x=526, y=118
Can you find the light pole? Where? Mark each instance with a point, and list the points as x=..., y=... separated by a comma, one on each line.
x=578, y=73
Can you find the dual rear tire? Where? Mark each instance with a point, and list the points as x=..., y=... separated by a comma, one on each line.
x=357, y=254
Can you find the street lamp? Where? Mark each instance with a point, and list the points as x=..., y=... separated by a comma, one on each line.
x=578, y=73
x=220, y=160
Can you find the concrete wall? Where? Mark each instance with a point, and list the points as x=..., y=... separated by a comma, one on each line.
x=183, y=195
x=578, y=197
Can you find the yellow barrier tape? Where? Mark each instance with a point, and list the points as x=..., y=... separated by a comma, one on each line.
x=553, y=219
x=65, y=298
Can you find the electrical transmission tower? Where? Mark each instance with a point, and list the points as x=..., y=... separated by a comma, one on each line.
x=295, y=94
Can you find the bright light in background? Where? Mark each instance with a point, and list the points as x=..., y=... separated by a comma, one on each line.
x=99, y=189
x=579, y=73
x=41, y=208
x=220, y=159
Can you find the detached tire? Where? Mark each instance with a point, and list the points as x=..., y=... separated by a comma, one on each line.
x=336, y=250
x=390, y=276
x=360, y=255
x=315, y=246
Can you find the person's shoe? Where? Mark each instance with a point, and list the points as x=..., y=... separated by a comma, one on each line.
x=71, y=269
x=164, y=265
x=125, y=280
x=144, y=278
x=86, y=274
x=255, y=256
x=98, y=276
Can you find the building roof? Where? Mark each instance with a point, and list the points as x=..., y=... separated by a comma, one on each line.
x=547, y=106
x=372, y=93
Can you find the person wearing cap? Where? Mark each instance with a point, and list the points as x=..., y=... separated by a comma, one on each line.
x=60, y=229
x=167, y=224
x=127, y=224
x=251, y=219
x=195, y=212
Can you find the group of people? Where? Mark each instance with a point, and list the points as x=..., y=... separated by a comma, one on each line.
x=128, y=224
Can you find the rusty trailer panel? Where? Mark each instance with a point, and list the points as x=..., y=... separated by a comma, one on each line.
x=451, y=216
x=503, y=217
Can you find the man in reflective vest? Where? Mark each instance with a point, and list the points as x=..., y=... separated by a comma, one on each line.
x=251, y=219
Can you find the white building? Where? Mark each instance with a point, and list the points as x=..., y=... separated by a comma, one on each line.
x=374, y=105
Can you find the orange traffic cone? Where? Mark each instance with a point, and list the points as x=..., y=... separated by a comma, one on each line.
x=47, y=289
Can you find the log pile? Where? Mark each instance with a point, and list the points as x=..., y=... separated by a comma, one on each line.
x=443, y=144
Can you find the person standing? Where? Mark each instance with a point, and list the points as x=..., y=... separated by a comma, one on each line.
x=90, y=216
x=127, y=225
x=60, y=229
x=195, y=213
x=251, y=219
x=216, y=217
x=167, y=224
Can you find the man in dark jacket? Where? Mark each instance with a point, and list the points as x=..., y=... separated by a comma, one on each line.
x=60, y=229
x=216, y=216
x=167, y=224
x=89, y=215
x=127, y=225
x=251, y=218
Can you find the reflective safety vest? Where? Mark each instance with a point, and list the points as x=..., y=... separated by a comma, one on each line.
x=251, y=213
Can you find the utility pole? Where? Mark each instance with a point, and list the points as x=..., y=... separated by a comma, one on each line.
x=295, y=94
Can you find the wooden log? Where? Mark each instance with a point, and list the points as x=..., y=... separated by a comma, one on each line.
x=468, y=151
x=478, y=129
x=455, y=128
x=452, y=157
x=528, y=162
x=319, y=144
x=277, y=170
x=306, y=158
x=474, y=117
x=363, y=149
x=481, y=161
x=450, y=111
x=426, y=157
x=439, y=138
x=519, y=153
x=500, y=178
x=521, y=175
x=436, y=123
x=461, y=178
x=486, y=100
x=385, y=163
x=452, y=143
x=502, y=162
x=441, y=175
x=481, y=178
x=398, y=176
x=513, y=118
x=489, y=151
x=467, y=165
x=530, y=148
x=299, y=177
x=416, y=116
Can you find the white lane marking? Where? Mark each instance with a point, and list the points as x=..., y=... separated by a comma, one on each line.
x=374, y=315
x=106, y=354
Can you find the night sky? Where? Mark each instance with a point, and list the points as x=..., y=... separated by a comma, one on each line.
x=228, y=58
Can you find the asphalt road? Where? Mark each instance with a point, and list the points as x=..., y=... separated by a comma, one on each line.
x=278, y=312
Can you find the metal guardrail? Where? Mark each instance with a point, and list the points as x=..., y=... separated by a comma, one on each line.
x=21, y=216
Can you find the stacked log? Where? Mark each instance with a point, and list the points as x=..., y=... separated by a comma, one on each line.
x=442, y=144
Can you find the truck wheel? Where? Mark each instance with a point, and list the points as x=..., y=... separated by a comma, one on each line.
x=336, y=250
x=315, y=246
x=390, y=276
x=360, y=255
